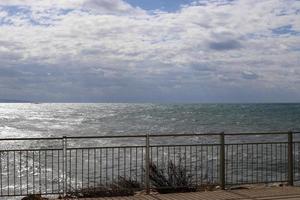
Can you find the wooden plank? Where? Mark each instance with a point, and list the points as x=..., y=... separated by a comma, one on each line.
x=186, y=196
x=277, y=193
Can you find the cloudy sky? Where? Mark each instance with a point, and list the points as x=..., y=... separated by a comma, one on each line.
x=150, y=51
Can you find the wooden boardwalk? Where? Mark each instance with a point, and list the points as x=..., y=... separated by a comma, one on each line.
x=270, y=193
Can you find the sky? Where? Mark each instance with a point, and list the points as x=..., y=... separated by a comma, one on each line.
x=150, y=51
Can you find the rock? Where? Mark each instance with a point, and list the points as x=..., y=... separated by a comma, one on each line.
x=277, y=185
x=239, y=188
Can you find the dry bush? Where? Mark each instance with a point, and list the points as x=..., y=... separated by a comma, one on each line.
x=124, y=187
x=173, y=179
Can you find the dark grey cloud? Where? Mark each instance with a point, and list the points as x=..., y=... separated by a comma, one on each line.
x=8, y=72
x=249, y=75
x=91, y=51
x=7, y=55
x=224, y=45
x=203, y=67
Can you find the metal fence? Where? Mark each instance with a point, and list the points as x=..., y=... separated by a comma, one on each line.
x=61, y=165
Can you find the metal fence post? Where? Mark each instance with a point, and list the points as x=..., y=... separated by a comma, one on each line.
x=222, y=160
x=147, y=162
x=290, y=159
x=64, y=144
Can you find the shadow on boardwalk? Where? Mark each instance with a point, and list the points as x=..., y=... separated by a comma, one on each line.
x=268, y=193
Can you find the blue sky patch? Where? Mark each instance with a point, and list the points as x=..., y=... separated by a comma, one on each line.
x=165, y=5
x=15, y=10
x=173, y=5
x=283, y=30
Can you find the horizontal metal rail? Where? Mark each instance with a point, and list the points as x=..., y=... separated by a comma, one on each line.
x=151, y=135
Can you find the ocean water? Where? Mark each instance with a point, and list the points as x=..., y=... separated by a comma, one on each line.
x=47, y=120
x=57, y=120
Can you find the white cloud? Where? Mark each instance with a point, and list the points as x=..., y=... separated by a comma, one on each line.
x=3, y=14
x=110, y=7
x=98, y=6
x=45, y=3
x=197, y=46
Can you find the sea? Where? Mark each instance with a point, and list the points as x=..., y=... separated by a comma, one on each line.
x=56, y=120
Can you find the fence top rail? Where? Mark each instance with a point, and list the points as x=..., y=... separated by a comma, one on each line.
x=262, y=133
x=145, y=135
x=143, y=146
x=111, y=136
x=152, y=135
